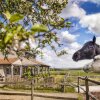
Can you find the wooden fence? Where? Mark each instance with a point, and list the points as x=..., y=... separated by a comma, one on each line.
x=33, y=95
x=32, y=84
x=25, y=83
x=87, y=80
x=86, y=90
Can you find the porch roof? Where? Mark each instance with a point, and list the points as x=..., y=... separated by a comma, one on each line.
x=24, y=62
x=21, y=62
x=7, y=61
x=39, y=63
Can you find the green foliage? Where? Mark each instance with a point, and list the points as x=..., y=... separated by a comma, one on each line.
x=13, y=17
x=28, y=73
x=30, y=18
x=7, y=14
x=39, y=28
x=62, y=53
x=16, y=17
x=47, y=89
x=8, y=37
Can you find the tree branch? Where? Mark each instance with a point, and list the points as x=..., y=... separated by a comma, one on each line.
x=39, y=35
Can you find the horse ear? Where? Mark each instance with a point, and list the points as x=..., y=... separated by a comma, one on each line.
x=94, y=39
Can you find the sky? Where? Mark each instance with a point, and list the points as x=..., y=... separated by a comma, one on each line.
x=85, y=18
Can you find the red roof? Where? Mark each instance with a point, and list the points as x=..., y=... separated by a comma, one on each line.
x=12, y=60
x=7, y=61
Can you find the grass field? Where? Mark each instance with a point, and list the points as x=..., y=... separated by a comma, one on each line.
x=72, y=72
x=59, y=76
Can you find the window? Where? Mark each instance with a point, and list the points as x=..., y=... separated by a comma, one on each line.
x=8, y=70
x=16, y=70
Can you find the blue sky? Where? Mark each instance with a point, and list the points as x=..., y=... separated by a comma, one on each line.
x=85, y=18
x=90, y=7
x=85, y=34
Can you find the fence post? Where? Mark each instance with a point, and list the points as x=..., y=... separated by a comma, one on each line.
x=87, y=88
x=32, y=89
x=78, y=85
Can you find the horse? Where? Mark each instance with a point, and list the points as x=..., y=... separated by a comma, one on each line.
x=89, y=50
x=94, y=66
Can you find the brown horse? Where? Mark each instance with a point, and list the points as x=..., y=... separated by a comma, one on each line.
x=89, y=50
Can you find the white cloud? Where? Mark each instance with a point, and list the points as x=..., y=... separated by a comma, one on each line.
x=64, y=61
x=92, y=22
x=78, y=1
x=67, y=37
x=72, y=10
x=32, y=42
x=70, y=51
x=69, y=40
x=98, y=40
x=75, y=45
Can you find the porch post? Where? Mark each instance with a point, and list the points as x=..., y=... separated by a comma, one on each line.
x=42, y=70
x=45, y=70
x=38, y=69
x=48, y=70
x=12, y=71
x=21, y=71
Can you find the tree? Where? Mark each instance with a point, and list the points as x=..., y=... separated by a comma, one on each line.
x=24, y=20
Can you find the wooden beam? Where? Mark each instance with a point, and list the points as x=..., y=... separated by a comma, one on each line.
x=12, y=73
x=21, y=71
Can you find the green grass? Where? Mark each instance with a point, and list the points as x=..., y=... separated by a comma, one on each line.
x=40, y=89
x=80, y=97
x=60, y=74
x=47, y=90
x=69, y=89
x=73, y=73
x=82, y=73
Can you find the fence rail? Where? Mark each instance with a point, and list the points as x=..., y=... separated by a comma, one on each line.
x=23, y=82
x=86, y=79
x=59, y=97
x=88, y=94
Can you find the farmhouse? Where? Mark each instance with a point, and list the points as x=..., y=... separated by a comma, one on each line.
x=13, y=68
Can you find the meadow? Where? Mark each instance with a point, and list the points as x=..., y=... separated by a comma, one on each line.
x=61, y=73
x=60, y=76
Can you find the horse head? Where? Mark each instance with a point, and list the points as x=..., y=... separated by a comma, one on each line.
x=89, y=50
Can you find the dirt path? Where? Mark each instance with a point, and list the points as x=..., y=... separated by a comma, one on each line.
x=13, y=95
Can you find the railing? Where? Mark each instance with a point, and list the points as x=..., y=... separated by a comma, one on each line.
x=87, y=80
x=24, y=82
x=86, y=91
x=32, y=94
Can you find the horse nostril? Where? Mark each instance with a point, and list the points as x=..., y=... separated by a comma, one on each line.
x=76, y=56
